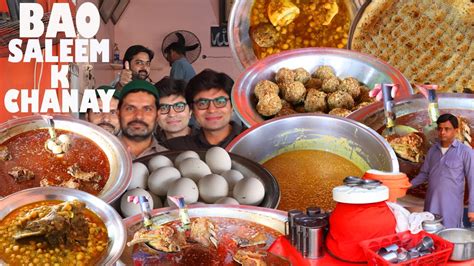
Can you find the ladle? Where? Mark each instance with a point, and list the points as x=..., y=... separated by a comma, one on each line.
x=392, y=128
x=56, y=145
x=433, y=113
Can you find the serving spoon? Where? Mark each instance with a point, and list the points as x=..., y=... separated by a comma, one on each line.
x=57, y=145
x=392, y=128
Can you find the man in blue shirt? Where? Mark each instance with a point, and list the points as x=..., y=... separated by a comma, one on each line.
x=180, y=67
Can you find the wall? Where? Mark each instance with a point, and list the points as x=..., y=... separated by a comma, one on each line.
x=147, y=22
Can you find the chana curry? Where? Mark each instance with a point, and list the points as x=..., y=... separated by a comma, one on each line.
x=278, y=25
x=52, y=232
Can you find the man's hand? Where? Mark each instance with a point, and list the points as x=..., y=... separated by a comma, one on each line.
x=125, y=74
x=470, y=215
x=377, y=92
x=424, y=88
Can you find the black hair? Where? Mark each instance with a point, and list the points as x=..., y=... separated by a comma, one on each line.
x=168, y=86
x=157, y=101
x=448, y=117
x=135, y=49
x=206, y=80
x=177, y=47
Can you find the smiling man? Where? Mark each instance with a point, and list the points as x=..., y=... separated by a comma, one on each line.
x=138, y=111
x=209, y=93
x=174, y=112
x=136, y=65
x=108, y=121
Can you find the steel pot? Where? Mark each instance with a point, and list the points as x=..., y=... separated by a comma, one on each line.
x=463, y=240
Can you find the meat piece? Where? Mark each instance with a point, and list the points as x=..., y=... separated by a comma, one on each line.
x=249, y=258
x=285, y=75
x=340, y=112
x=5, y=154
x=204, y=232
x=265, y=87
x=293, y=92
x=315, y=101
x=269, y=105
x=464, y=132
x=256, y=239
x=286, y=109
x=21, y=174
x=77, y=173
x=408, y=147
x=71, y=183
x=351, y=86
x=302, y=75
x=324, y=72
x=164, y=238
x=264, y=35
x=314, y=83
x=330, y=84
x=340, y=99
x=64, y=223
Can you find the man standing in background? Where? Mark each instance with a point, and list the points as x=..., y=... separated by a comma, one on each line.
x=180, y=67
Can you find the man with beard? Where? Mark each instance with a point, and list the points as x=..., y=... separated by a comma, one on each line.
x=174, y=112
x=180, y=67
x=136, y=65
x=138, y=111
x=108, y=121
x=209, y=93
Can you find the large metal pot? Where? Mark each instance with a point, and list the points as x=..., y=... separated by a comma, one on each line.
x=463, y=240
x=239, y=25
x=365, y=68
x=273, y=219
x=346, y=138
x=118, y=157
x=457, y=104
x=111, y=219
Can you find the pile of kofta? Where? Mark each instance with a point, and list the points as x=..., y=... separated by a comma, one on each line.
x=298, y=91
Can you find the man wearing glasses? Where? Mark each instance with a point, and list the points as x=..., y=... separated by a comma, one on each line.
x=209, y=93
x=174, y=113
x=136, y=65
x=446, y=166
x=108, y=121
x=138, y=111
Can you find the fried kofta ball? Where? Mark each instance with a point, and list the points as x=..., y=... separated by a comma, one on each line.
x=314, y=83
x=364, y=95
x=330, y=85
x=361, y=105
x=351, y=86
x=286, y=109
x=340, y=112
x=302, y=75
x=293, y=92
x=265, y=87
x=315, y=101
x=285, y=75
x=324, y=72
x=265, y=35
x=340, y=99
x=269, y=105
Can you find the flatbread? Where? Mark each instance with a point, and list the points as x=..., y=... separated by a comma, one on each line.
x=427, y=40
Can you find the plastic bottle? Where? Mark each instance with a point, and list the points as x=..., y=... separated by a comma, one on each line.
x=116, y=54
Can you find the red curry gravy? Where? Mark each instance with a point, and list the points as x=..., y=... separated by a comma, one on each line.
x=28, y=151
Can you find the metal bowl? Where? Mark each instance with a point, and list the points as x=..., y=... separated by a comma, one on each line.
x=344, y=137
x=118, y=157
x=243, y=165
x=112, y=220
x=273, y=219
x=365, y=68
x=457, y=104
x=463, y=240
x=239, y=25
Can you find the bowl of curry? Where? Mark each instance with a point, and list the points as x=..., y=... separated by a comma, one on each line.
x=96, y=161
x=59, y=226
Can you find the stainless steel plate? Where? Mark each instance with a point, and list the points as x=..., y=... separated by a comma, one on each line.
x=112, y=220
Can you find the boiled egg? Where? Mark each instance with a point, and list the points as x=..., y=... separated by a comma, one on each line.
x=186, y=188
x=159, y=161
x=156, y=201
x=227, y=200
x=249, y=191
x=160, y=180
x=232, y=177
x=218, y=160
x=194, y=168
x=212, y=187
x=129, y=208
x=139, y=176
x=184, y=155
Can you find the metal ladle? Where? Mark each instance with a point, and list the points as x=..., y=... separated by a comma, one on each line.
x=392, y=128
x=56, y=145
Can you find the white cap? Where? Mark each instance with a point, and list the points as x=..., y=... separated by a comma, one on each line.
x=359, y=195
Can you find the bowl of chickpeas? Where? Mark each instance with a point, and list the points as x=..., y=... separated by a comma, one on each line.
x=311, y=80
x=59, y=226
x=260, y=28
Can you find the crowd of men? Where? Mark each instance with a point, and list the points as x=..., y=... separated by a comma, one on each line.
x=181, y=112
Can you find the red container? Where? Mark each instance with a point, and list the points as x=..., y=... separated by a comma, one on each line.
x=406, y=240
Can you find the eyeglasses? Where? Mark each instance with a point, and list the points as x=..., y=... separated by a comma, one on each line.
x=178, y=107
x=203, y=103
